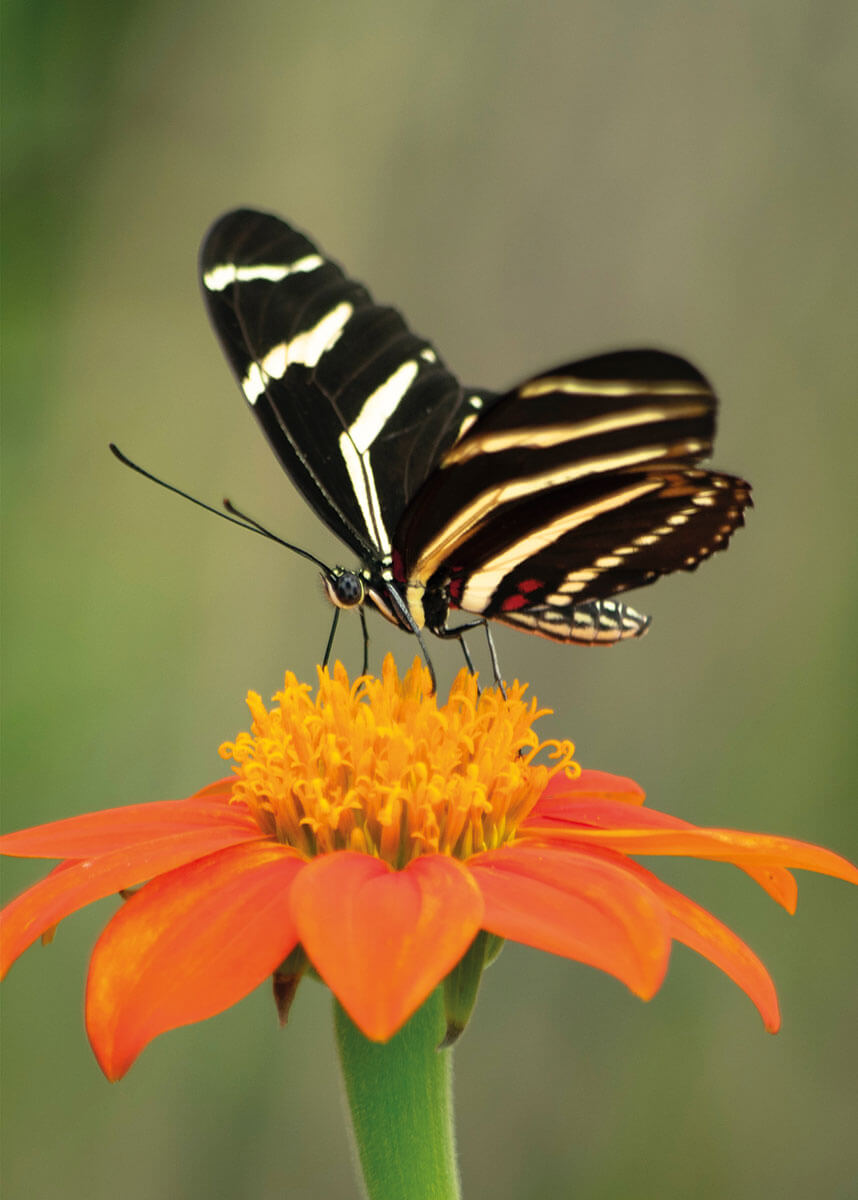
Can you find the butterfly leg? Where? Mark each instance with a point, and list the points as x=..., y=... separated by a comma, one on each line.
x=469, y=662
x=408, y=622
x=492, y=652
x=446, y=631
x=365, y=667
x=458, y=632
x=493, y=655
x=330, y=644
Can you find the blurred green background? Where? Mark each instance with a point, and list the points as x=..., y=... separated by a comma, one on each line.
x=529, y=183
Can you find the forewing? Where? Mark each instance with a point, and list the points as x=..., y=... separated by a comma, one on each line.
x=577, y=485
x=355, y=406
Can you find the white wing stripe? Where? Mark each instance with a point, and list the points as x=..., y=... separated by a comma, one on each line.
x=308, y=347
x=221, y=276
x=305, y=348
x=357, y=441
x=380, y=406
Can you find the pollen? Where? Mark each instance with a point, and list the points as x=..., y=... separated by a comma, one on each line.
x=381, y=767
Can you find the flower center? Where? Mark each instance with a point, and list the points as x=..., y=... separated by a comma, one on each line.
x=381, y=767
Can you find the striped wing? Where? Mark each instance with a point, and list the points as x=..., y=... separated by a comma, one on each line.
x=356, y=407
x=577, y=485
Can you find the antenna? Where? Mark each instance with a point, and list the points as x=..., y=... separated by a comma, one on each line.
x=232, y=514
x=236, y=517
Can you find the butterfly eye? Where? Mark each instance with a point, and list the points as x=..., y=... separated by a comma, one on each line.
x=345, y=588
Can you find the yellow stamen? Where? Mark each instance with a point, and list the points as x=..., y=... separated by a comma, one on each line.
x=380, y=767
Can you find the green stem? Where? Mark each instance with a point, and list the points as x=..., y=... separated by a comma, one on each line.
x=400, y=1099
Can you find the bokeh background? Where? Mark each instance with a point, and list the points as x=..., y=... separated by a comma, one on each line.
x=530, y=183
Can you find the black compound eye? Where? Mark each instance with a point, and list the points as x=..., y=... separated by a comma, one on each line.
x=345, y=588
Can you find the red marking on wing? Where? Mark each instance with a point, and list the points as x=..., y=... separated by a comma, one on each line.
x=513, y=602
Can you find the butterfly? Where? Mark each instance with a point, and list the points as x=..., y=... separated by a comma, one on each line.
x=533, y=506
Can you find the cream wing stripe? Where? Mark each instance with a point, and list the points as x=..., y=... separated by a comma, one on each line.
x=483, y=585
x=556, y=435
x=463, y=521
x=572, y=386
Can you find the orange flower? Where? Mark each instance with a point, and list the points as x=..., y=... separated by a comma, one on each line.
x=373, y=833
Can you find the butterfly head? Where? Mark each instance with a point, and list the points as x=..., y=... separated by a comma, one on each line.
x=345, y=588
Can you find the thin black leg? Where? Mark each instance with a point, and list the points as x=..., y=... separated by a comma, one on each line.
x=408, y=621
x=365, y=640
x=468, y=660
x=493, y=654
x=330, y=644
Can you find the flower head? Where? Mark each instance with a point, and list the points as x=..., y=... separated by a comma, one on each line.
x=380, y=768
x=373, y=833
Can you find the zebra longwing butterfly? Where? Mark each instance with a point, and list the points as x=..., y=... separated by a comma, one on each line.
x=532, y=506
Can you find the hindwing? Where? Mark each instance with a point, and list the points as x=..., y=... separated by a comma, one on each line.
x=576, y=485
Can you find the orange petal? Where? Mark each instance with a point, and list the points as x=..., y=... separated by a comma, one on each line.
x=77, y=884
x=100, y=832
x=566, y=813
x=220, y=790
x=701, y=931
x=777, y=881
x=595, y=785
x=187, y=946
x=598, y=812
x=583, y=905
x=383, y=939
x=753, y=850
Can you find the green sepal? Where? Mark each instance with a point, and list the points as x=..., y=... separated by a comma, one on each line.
x=285, y=981
x=463, y=983
x=494, y=945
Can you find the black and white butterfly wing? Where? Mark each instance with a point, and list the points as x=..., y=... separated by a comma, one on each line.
x=577, y=485
x=534, y=507
x=356, y=407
